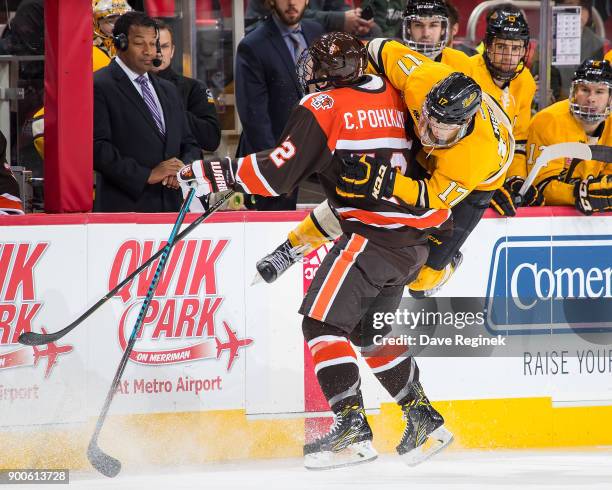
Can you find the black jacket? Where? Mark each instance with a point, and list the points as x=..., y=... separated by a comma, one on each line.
x=267, y=87
x=127, y=144
x=200, y=107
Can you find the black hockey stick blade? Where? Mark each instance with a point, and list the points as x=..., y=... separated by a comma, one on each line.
x=105, y=464
x=36, y=338
x=602, y=153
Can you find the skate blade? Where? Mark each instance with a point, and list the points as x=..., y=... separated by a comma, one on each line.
x=436, y=441
x=361, y=452
x=257, y=279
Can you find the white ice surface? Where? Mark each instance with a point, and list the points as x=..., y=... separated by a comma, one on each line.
x=474, y=470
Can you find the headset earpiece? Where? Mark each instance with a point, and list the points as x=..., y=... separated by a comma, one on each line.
x=121, y=42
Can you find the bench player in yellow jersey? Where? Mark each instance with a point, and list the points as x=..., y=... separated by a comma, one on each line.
x=583, y=118
x=500, y=71
x=480, y=138
x=425, y=29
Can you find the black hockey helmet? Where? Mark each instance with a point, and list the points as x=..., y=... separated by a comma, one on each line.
x=508, y=23
x=421, y=9
x=449, y=107
x=336, y=59
x=591, y=72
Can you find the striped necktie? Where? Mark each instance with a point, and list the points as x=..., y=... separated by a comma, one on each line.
x=150, y=101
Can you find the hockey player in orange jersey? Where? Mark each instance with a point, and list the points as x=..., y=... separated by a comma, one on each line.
x=583, y=118
x=382, y=247
x=484, y=146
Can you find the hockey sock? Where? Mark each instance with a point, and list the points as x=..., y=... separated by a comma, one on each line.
x=396, y=373
x=320, y=226
x=335, y=363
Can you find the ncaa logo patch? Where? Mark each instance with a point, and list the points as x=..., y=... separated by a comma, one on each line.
x=322, y=101
x=541, y=285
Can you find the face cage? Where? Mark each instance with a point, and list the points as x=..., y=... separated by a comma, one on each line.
x=426, y=121
x=585, y=113
x=307, y=75
x=431, y=50
x=501, y=74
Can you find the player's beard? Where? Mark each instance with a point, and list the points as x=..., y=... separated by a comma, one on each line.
x=290, y=16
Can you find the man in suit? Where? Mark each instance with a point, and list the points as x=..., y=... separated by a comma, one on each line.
x=197, y=98
x=266, y=83
x=141, y=134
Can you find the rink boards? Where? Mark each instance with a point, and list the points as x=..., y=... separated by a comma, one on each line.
x=182, y=400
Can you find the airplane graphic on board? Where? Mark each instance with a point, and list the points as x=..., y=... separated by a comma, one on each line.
x=233, y=345
x=51, y=352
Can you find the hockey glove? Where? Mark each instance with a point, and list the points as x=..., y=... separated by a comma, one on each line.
x=208, y=176
x=366, y=177
x=504, y=199
x=594, y=195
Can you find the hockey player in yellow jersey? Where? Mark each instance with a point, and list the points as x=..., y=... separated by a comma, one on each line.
x=500, y=72
x=460, y=125
x=608, y=56
x=583, y=118
x=425, y=29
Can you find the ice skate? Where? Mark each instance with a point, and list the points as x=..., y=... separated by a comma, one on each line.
x=430, y=281
x=425, y=434
x=273, y=265
x=348, y=442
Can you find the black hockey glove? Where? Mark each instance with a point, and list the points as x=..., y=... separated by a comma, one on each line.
x=507, y=198
x=594, y=195
x=366, y=177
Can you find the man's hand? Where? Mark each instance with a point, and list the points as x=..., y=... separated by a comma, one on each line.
x=209, y=176
x=594, y=195
x=354, y=24
x=366, y=177
x=164, y=170
x=504, y=200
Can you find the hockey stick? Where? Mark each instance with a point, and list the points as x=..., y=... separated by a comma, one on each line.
x=600, y=153
x=35, y=338
x=105, y=464
x=552, y=152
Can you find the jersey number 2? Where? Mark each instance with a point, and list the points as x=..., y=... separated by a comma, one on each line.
x=286, y=151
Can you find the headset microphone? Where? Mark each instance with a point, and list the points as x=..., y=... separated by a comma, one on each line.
x=157, y=61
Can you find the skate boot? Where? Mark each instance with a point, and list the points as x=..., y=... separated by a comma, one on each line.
x=348, y=442
x=425, y=434
x=430, y=281
x=274, y=264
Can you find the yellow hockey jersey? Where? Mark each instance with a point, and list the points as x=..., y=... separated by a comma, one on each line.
x=457, y=60
x=479, y=161
x=608, y=56
x=556, y=124
x=516, y=99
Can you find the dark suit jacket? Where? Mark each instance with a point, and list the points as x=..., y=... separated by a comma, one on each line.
x=200, y=107
x=266, y=84
x=127, y=144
